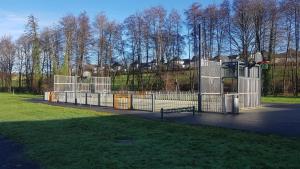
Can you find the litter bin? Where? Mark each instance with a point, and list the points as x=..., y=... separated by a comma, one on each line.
x=235, y=104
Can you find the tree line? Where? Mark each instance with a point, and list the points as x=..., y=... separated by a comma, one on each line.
x=156, y=36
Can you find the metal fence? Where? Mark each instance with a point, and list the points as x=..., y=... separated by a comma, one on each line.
x=83, y=85
x=145, y=102
x=211, y=77
x=96, y=91
x=249, y=88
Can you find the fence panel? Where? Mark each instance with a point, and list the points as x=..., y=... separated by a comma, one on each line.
x=61, y=96
x=175, y=100
x=92, y=99
x=81, y=98
x=212, y=103
x=249, y=92
x=106, y=100
x=143, y=102
x=71, y=97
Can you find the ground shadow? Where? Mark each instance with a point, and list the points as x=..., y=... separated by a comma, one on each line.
x=128, y=142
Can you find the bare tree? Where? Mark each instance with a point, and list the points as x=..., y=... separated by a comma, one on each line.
x=21, y=55
x=68, y=24
x=287, y=21
x=55, y=50
x=7, y=58
x=32, y=33
x=83, y=36
x=193, y=16
x=272, y=20
x=243, y=27
x=100, y=26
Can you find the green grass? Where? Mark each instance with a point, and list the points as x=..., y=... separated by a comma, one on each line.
x=281, y=99
x=68, y=138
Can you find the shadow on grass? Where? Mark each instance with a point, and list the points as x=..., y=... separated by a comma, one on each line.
x=126, y=142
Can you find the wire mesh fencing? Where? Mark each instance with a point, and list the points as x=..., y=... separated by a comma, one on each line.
x=249, y=88
x=97, y=91
x=174, y=100
x=144, y=102
x=212, y=103
x=211, y=77
x=85, y=85
x=149, y=102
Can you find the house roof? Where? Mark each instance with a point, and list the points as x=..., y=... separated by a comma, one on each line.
x=186, y=61
x=177, y=58
x=116, y=64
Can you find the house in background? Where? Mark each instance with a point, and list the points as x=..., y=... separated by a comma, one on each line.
x=176, y=63
x=116, y=66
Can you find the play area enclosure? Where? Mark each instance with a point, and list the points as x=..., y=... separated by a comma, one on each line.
x=225, y=87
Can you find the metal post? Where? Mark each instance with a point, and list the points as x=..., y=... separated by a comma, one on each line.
x=75, y=90
x=259, y=87
x=222, y=87
x=99, y=101
x=193, y=110
x=161, y=113
x=66, y=97
x=113, y=100
x=199, y=74
x=153, y=102
x=236, y=106
x=221, y=79
x=232, y=104
x=224, y=103
x=86, y=102
x=238, y=76
x=57, y=98
x=131, y=101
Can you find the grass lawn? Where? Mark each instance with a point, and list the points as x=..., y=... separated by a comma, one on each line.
x=67, y=138
x=281, y=99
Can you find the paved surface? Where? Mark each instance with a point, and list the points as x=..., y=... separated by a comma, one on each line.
x=278, y=119
x=12, y=157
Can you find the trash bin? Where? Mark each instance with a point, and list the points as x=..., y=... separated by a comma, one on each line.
x=235, y=104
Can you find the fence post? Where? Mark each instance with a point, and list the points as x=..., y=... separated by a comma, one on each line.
x=86, y=102
x=99, y=101
x=76, y=98
x=114, y=101
x=131, y=101
x=199, y=103
x=161, y=113
x=223, y=103
x=57, y=100
x=193, y=110
x=66, y=97
x=153, y=102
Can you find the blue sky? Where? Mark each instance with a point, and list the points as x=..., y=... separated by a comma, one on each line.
x=13, y=13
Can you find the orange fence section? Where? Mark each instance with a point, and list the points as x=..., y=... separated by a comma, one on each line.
x=122, y=101
x=52, y=97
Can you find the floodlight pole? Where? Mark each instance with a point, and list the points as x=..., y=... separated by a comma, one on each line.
x=199, y=73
